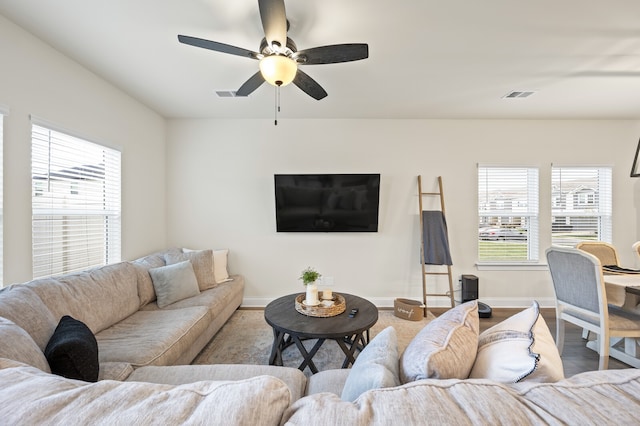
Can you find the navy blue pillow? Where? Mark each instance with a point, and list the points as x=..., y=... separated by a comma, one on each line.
x=72, y=351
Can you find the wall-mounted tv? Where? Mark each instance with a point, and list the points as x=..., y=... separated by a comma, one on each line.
x=327, y=202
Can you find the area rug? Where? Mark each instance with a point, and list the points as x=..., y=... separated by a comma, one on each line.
x=246, y=338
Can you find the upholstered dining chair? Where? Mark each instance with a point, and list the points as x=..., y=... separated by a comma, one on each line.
x=636, y=249
x=605, y=252
x=581, y=299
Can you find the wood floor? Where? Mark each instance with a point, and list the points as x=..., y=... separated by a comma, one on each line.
x=576, y=357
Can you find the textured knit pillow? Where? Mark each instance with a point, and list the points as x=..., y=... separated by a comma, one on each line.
x=376, y=366
x=518, y=348
x=72, y=351
x=174, y=282
x=445, y=348
x=202, y=262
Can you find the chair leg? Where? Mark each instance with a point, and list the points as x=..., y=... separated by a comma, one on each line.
x=603, y=343
x=560, y=335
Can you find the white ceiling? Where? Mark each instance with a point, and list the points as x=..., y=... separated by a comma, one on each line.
x=427, y=58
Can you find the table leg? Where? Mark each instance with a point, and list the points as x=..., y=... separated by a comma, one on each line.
x=349, y=351
x=307, y=356
x=276, y=350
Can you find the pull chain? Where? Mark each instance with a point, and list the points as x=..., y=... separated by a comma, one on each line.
x=277, y=105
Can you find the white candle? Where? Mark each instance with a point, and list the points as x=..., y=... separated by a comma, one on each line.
x=312, y=295
x=327, y=294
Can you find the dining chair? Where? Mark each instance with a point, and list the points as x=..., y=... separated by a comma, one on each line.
x=605, y=252
x=581, y=299
x=636, y=249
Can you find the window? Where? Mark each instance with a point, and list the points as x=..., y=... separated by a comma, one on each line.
x=508, y=214
x=1, y=198
x=580, y=205
x=76, y=214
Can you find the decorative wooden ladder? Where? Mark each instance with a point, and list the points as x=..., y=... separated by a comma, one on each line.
x=425, y=272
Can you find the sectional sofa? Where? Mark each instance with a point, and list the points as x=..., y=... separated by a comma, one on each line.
x=448, y=374
x=136, y=322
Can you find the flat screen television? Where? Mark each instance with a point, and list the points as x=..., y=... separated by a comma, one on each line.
x=327, y=202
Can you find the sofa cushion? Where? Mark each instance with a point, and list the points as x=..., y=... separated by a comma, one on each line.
x=181, y=374
x=99, y=297
x=202, y=262
x=19, y=346
x=518, y=348
x=30, y=397
x=174, y=282
x=331, y=381
x=115, y=371
x=72, y=351
x=20, y=304
x=376, y=366
x=610, y=397
x=215, y=299
x=153, y=337
x=445, y=348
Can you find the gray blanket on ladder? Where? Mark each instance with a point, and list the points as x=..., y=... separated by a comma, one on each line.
x=435, y=238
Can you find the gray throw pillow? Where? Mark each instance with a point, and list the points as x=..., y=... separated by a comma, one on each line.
x=174, y=282
x=376, y=366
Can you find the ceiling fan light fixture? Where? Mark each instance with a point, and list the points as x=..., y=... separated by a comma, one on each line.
x=278, y=70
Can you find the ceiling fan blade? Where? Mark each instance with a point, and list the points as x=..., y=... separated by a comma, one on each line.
x=250, y=85
x=218, y=47
x=309, y=86
x=333, y=54
x=274, y=21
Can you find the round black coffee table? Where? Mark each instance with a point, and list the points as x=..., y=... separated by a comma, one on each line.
x=291, y=327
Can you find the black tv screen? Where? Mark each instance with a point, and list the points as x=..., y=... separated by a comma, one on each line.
x=327, y=202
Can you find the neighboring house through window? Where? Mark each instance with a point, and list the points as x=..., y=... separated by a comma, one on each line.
x=580, y=205
x=508, y=214
x=76, y=206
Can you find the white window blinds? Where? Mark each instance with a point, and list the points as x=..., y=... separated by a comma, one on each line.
x=508, y=214
x=580, y=205
x=76, y=208
x=1, y=198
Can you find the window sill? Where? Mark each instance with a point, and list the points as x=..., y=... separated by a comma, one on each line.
x=511, y=266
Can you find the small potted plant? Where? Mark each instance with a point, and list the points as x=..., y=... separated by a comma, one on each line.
x=309, y=277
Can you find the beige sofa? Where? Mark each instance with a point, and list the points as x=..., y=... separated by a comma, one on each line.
x=449, y=374
x=118, y=304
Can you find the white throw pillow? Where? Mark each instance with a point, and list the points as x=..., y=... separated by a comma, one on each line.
x=376, y=366
x=174, y=282
x=220, y=265
x=445, y=348
x=517, y=349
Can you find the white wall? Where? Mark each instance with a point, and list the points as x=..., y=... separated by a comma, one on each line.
x=220, y=194
x=37, y=80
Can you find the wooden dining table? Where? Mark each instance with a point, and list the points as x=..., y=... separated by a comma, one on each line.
x=623, y=290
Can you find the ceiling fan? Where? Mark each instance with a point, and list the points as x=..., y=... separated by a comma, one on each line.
x=279, y=57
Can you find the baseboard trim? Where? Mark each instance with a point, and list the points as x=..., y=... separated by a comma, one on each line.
x=387, y=303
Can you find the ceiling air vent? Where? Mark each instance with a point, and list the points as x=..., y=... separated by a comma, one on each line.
x=518, y=94
x=226, y=93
